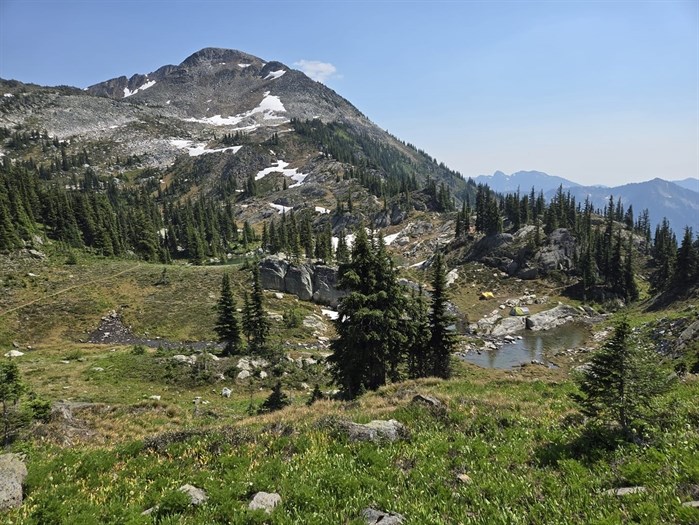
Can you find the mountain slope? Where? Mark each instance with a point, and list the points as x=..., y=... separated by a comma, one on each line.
x=660, y=197
x=690, y=183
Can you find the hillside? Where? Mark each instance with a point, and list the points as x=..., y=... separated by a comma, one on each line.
x=128, y=213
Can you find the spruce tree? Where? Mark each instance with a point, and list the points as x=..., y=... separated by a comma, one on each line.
x=621, y=380
x=227, y=326
x=372, y=324
x=442, y=337
x=276, y=400
x=258, y=321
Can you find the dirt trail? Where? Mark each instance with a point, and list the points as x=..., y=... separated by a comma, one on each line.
x=54, y=294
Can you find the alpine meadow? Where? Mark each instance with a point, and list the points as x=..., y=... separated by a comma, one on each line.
x=228, y=296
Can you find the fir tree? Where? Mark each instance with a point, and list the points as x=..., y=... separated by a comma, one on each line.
x=621, y=380
x=258, y=322
x=316, y=395
x=442, y=337
x=372, y=323
x=276, y=400
x=227, y=326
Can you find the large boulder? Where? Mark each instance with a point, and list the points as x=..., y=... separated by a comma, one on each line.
x=265, y=501
x=13, y=472
x=508, y=325
x=299, y=281
x=317, y=282
x=325, y=289
x=548, y=319
x=272, y=273
x=376, y=431
x=196, y=495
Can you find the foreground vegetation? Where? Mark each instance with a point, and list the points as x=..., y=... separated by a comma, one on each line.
x=515, y=435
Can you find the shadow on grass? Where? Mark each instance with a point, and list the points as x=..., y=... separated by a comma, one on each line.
x=593, y=444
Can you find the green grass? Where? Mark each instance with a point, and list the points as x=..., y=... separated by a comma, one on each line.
x=516, y=434
x=529, y=462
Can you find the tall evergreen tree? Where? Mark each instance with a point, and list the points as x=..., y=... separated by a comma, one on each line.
x=227, y=326
x=442, y=336
x=372, y=321
x=622, y=379
x=258, y=321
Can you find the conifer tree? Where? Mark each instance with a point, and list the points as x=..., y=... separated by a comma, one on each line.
x=227, y=326
x=442, y=337
x=372, y=322
x=276, y=400
x=258, y=322
x=686, y=270
x=621, y=380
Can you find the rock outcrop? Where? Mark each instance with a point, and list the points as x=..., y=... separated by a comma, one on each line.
x=556, y=316
x=13, y=472
x=315, y=282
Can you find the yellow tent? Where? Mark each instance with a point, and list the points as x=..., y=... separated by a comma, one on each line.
x=487, y=295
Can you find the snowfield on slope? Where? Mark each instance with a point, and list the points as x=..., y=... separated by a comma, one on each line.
x=197, y=149
x=269, y=108
x=128, y=93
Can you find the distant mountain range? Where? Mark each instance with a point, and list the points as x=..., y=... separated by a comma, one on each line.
x=676, y=200
x=524, y=180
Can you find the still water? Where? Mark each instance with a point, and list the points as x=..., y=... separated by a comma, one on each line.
x=533, y=346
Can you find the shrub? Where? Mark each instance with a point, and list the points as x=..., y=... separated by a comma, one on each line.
x=173, y=502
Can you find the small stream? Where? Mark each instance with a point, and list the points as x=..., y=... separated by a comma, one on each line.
x=539, y=346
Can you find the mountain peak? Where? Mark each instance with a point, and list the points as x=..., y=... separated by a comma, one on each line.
x=212, y=55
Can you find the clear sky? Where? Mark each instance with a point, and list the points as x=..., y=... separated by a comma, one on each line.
x=600, y=92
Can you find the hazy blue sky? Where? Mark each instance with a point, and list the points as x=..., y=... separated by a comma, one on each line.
x=599, y=92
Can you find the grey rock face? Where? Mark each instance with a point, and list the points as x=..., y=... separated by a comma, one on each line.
x=13, y=472
x=265, y=501
x=317, y=282
x=272, y=273
x=691, y=333
x=376, y=431
x=558, y=254
x=298, y=281
x=325, y=289
x=377, y=517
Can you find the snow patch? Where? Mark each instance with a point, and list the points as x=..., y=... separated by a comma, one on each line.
x=8, y=95
x=388, y=240
x=273, y=75
x=280, y=208
x=268, y=107
x=331, y=314
x=322, y=210
x=418, y=265
x=281, y=167
x=349, y=241
x=298, y=178
x=452, y=276
x=197, y=149
x=244, y=65
x=128, y=92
